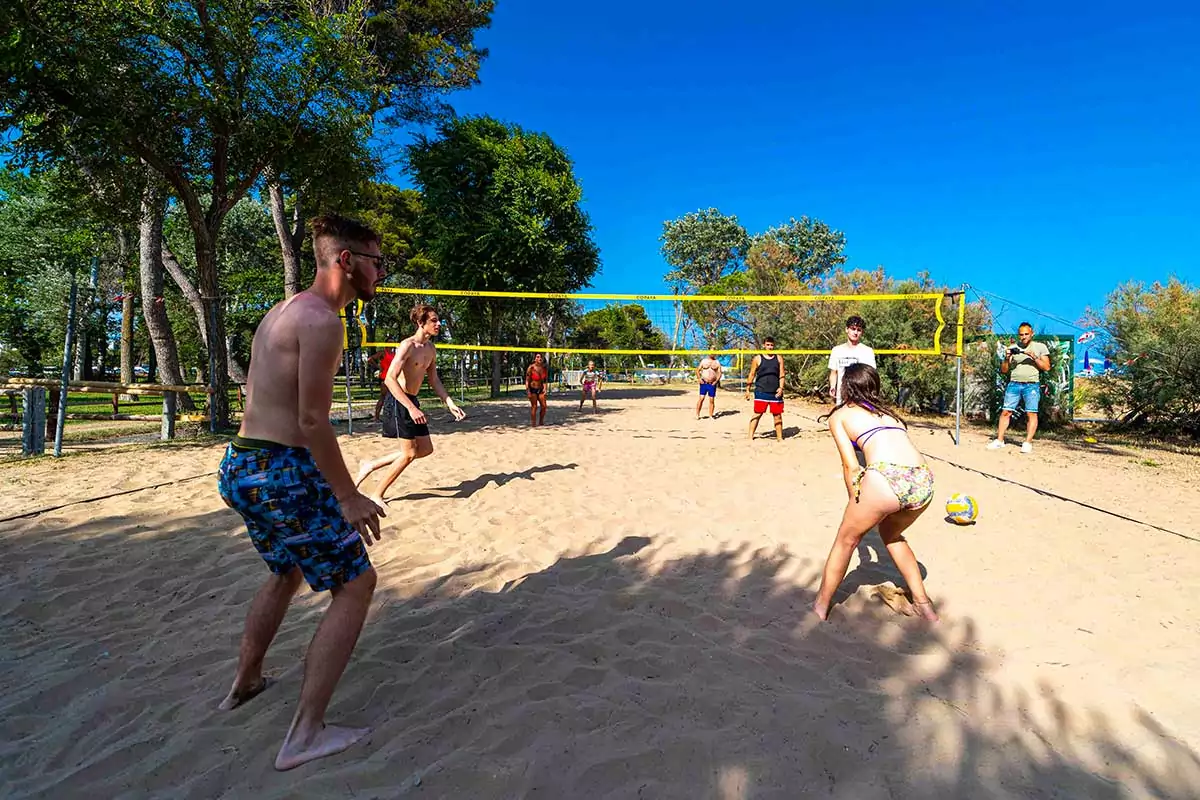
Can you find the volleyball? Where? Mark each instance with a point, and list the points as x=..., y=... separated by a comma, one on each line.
x=961, y=509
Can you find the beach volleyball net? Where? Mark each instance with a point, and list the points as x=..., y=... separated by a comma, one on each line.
x=656, y=339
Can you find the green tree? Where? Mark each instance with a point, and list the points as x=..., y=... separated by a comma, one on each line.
x=1152, y=339
x=912, y=382
x=501, y=212
x=617, y=327
x=702, y=247
x=45, y=235
x=395, y=214
x=803, y=248
x=212, y=95
x=711, y=253
x=248, y=263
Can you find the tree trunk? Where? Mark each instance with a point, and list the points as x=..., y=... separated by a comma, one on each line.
x=86, y=358
x=237, y=373
x=186, y=289
x=233, y=370
x=291, y=237
x=154, y=309
x=126, y=308
x=213, y=324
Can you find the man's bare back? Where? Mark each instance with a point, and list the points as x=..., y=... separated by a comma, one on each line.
x=272, y=385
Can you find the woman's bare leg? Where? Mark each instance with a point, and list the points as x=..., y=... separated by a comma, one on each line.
x=891, y=530
x=873, y=506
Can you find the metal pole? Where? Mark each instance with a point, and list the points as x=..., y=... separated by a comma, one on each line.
x=66, y=368
x=958, y=370
x=958, y=400
x=349, y=403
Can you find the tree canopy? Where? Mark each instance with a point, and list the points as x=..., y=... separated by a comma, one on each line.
x=212, y=95
x=501, y=212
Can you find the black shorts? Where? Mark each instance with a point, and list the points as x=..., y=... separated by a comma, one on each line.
x=535, y=392
x=398, y=423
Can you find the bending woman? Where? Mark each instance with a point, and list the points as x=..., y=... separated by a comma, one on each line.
x=891, y=492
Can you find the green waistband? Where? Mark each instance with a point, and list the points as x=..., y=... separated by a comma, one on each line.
x=244, y=443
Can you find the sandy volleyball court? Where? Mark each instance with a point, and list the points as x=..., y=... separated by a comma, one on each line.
x=616, y=606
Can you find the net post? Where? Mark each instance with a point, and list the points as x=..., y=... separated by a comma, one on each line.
x=66, y=368
x=958, y=369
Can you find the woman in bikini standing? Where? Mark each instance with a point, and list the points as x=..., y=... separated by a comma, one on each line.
x=536, y=376
x=890, y=492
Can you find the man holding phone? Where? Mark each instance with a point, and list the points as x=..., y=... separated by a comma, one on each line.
x=1024, y=363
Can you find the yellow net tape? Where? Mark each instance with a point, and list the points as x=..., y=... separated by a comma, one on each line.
x=936, y=350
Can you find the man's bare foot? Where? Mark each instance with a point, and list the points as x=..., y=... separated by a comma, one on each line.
x=925, y=610
x=821, y=609
x=238, y=695
x=329, y=740
x=364, y=469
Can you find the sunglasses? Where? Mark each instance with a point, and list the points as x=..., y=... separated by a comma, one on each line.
x=381, y=262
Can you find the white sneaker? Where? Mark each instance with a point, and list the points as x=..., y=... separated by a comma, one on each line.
x=1026, y=447
x=995, y=444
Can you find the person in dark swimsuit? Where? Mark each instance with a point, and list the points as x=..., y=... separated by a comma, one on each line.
x=766, y=376
x=536, y=377
x=889, y=493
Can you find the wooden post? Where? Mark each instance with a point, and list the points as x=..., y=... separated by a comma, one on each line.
x=168, y=416
x=51, y=413
x=116, y=403
x=33, y=429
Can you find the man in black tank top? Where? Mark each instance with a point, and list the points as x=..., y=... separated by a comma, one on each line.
x=766, y=381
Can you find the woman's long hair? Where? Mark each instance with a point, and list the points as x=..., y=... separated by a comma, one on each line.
x=860, y=387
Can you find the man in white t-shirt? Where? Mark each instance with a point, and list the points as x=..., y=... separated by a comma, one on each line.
x=852, y=352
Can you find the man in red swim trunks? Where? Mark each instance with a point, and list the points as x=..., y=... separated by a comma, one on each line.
x=766, y=376
x=536, y=376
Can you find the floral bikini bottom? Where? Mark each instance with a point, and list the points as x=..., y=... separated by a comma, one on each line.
x=913, y=485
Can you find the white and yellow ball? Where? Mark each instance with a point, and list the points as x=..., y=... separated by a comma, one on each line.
x=961, y=509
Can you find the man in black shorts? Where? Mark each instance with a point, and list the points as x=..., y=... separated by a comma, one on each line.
x=416, y=360
x=536, y=377
x=285, y=475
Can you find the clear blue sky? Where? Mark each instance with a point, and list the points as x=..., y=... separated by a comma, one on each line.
x=1042, y=155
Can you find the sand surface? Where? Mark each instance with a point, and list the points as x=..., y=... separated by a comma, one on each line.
x=616, y=606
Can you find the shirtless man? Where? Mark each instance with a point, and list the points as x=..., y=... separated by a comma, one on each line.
x=536, y=376
x=285, y=475
x=708, y=374
x=766, y=376
x=416, y=360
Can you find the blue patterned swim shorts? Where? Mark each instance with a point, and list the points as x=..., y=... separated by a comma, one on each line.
x=291, y=514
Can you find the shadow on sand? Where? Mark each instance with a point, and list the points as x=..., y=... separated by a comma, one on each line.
x=618, y=673
x=470, y=487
